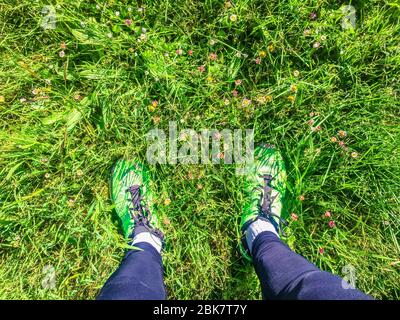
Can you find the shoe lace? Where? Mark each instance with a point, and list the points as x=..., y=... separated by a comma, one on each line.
x=267, y=200
x=141, y=213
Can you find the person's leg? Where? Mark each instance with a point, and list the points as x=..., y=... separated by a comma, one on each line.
x=139, y=277
x=284, y=274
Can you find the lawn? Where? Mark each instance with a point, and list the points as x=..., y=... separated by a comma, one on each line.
x=82, y=90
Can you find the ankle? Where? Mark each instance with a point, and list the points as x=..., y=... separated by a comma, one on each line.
x=149, y=238
x=255, y=228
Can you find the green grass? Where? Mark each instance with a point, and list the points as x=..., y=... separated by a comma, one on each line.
x=57, y=147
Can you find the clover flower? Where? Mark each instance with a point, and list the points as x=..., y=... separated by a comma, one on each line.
x=293, y=87
x=354, y=154
x=246, y=102
x=213, y=56
x=317, y=128
x=233, y=18
x=316, y=45
x=313, y=16
x=156, y=120
x=327, y=214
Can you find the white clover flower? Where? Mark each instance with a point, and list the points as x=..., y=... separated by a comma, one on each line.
x=316, y=45
x=233, y=17
x=117, y=13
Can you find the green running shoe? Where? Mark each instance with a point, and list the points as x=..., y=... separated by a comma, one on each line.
x=264, y=190
x=132, y=197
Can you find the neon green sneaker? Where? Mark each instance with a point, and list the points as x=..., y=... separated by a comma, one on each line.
x=132, y=197
x=264, y=190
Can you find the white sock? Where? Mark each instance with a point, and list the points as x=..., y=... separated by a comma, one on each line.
x=149, y=238
x=255, y=228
